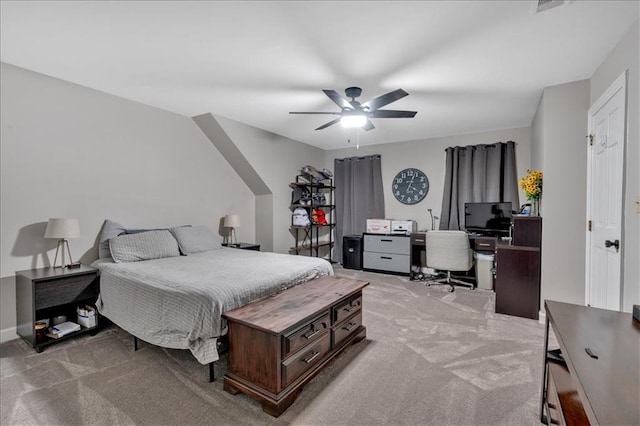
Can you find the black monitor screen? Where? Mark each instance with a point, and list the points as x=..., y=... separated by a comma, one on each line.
x=487, y=217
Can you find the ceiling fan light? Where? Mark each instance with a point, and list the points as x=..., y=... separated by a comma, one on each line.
x=356, y=120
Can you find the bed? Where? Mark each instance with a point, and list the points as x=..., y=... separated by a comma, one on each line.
x=176, y=301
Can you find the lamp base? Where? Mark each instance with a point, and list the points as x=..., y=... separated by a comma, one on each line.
x=62, y=243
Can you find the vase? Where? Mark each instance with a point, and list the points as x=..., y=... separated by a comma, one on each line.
x=535, y=208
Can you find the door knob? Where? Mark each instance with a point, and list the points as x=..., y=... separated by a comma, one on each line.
x=609, y=243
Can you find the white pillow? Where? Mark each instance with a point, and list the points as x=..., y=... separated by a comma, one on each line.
x=195, y=239
x=143, y=246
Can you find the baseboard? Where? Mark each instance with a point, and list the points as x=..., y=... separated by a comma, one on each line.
x=8, y=334
x=542, y=316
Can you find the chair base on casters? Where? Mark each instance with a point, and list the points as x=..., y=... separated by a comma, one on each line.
x=448, y=280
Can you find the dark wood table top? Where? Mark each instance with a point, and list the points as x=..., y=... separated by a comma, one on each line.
x=277, y=312
x=609, y=386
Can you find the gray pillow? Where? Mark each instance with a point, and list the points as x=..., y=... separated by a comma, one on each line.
x=195, y=239
x=110, y=229
x=143, y=246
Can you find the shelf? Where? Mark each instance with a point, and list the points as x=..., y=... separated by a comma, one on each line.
x=313, y=224
x=315, y=185
x=312, y=206
x=50, y=340
x=311, y=246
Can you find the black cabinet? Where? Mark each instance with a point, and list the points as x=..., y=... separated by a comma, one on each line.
x=518, y=270
x=49, y=292
x=352, y=251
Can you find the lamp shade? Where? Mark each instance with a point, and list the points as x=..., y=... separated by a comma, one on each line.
x=62, y=229
x=232, y=220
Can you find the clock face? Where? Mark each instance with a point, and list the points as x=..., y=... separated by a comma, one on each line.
x=410, y=186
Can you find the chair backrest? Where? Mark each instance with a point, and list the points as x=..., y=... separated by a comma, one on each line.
x=448, y=250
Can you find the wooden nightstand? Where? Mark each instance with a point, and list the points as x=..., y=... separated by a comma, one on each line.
x=48, y=292
x=243, y=246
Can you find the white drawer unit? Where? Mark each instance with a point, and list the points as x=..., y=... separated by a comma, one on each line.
x=387, y=253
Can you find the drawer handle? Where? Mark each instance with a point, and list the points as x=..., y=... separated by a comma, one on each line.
x=314, y=355
x=386, y=257
x=349, y=326
x=419, y=241
x=484, y=244
x=311, y=333
x=349, y=308
x=387, y=241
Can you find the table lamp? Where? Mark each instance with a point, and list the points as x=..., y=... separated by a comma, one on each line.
x=62, y=229
x=232, y=221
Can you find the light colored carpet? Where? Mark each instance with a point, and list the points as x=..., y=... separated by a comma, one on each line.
x=430, y=357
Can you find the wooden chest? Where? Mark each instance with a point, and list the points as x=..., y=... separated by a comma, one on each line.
x=278, y=344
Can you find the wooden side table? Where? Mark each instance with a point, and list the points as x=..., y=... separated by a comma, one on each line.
x=48, y=292
x=243, y=246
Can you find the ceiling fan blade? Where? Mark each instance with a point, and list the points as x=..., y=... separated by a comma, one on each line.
x=332, y=113
x=331, y=123
x=368, y=125
x=335, y=97
x=381, y=113
x=385, y=99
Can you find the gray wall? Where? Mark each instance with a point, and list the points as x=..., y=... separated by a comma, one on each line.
x=559, y=134
x=428, y=155
x=277, y=160
x=69, y=151
x=625, y=56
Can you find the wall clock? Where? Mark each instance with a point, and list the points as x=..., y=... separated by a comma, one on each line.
x=410, y=186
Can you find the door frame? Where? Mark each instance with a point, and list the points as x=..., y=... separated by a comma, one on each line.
x=620, y=83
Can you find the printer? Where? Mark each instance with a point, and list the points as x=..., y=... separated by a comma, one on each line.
x=403, y=226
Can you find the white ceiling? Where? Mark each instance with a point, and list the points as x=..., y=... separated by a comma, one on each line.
x=468, y=66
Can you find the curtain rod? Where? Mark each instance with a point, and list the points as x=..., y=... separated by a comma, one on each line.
x=359, y=158
x=481, y=144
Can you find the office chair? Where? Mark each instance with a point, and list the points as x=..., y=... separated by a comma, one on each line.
x=448, y=251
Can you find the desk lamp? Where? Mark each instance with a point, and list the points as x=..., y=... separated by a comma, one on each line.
x=62, y=229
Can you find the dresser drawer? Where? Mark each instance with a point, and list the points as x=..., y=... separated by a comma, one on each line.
x=386, y=262
x=387, y=244
x=345, y=329
x=484, y=244
x=303, y=336
x=304, y=359
x=418, y=239
x=61, y=291
x=349, y=307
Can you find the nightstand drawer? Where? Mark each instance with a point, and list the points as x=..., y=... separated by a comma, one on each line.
x=61, y=291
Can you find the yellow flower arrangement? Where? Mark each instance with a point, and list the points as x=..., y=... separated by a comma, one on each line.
x=532, y=184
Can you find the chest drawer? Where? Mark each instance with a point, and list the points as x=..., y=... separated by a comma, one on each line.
x=346, y=309
x=387, y=244
x=301, y=337
x=61, y=291
x=303, y=360
x=418, y=239
x=344, y=329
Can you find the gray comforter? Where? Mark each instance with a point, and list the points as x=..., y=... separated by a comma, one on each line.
x=177, y=302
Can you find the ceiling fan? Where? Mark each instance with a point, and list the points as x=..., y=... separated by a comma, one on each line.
x=355, y=114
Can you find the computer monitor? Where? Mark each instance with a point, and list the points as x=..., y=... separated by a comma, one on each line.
x=487, y=218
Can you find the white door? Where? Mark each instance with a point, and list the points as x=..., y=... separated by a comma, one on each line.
x=607, y=130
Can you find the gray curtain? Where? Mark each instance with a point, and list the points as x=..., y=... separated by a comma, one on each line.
x=477, y=173
x=359, y=196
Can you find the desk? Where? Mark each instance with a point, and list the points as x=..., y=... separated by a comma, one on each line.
x=583, y=389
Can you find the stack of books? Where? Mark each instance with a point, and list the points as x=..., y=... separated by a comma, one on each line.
x=62, y=329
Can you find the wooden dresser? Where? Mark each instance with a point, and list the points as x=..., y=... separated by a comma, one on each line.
x=594, y=377
x=278, y=344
